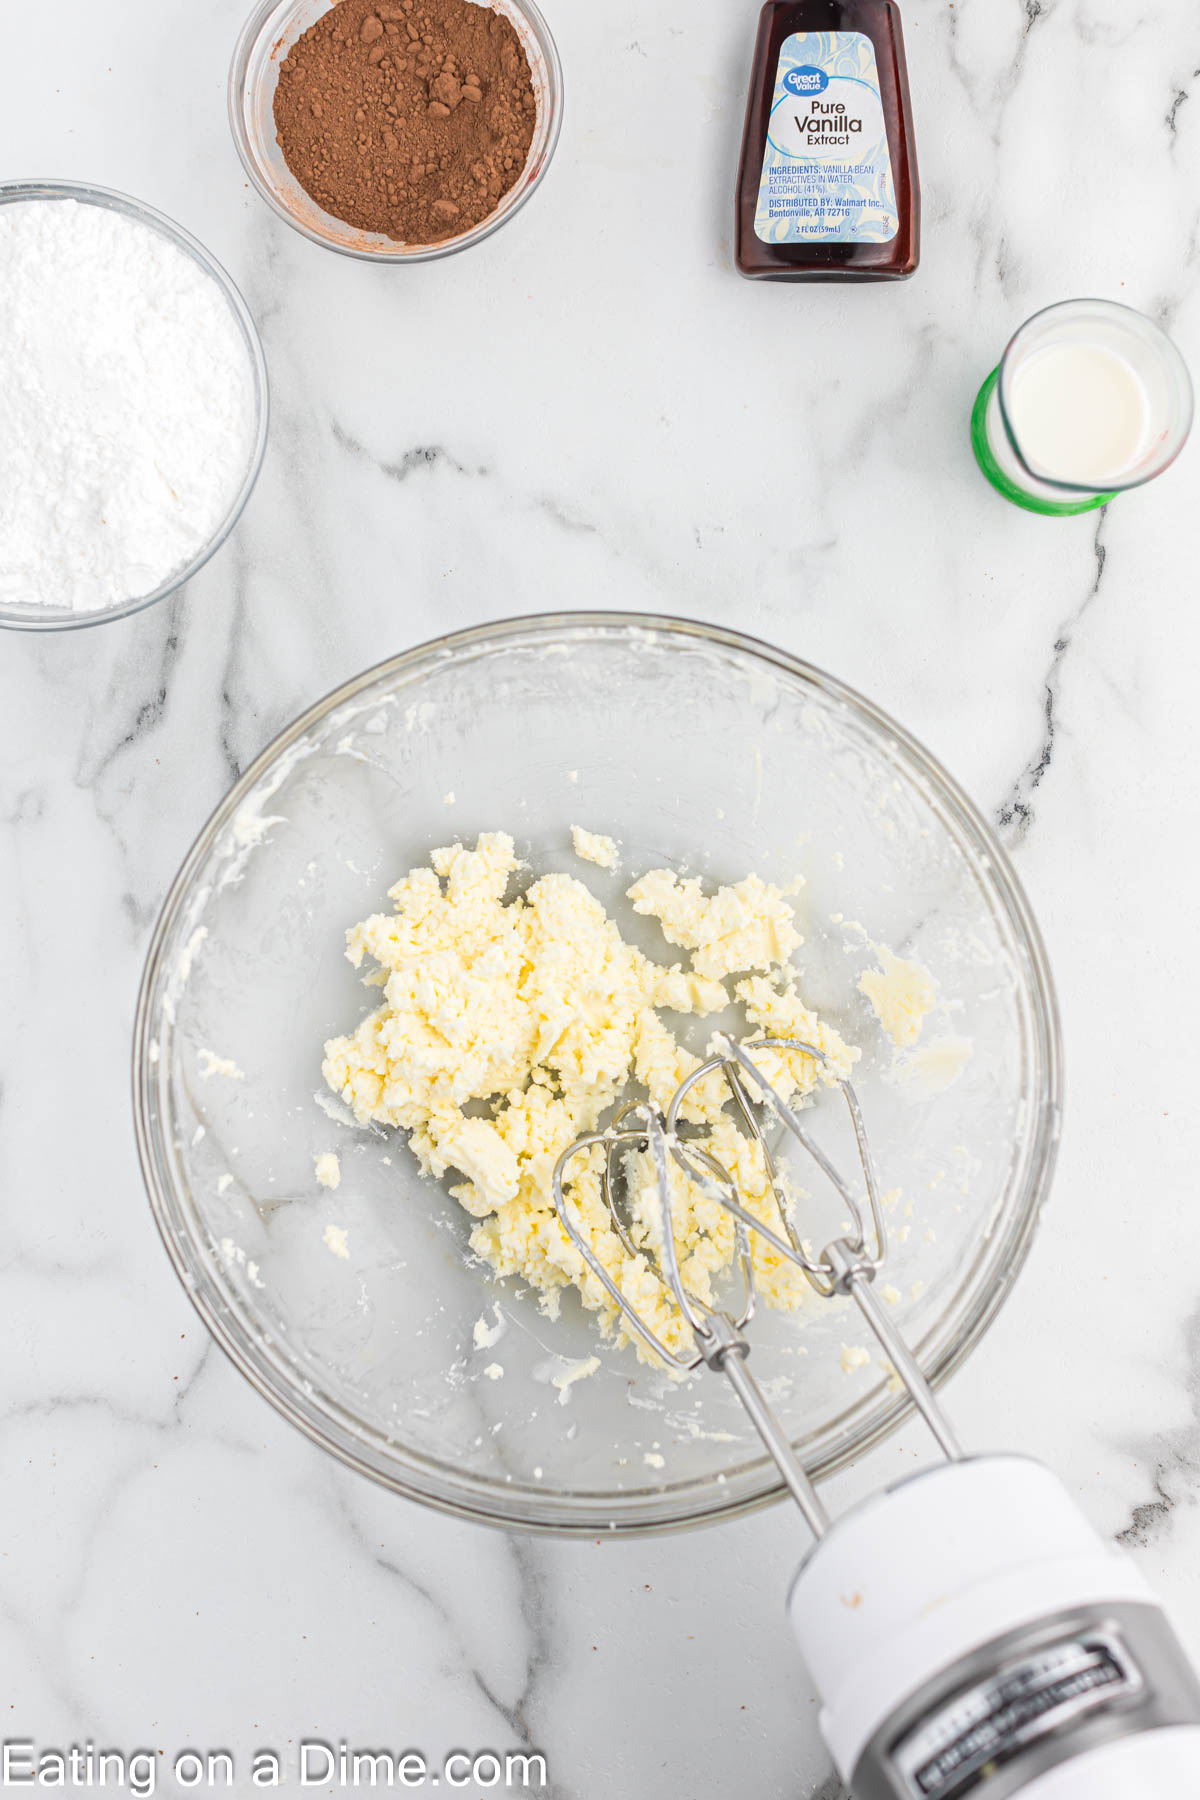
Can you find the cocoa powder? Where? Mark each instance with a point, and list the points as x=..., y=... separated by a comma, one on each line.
x=412, y=119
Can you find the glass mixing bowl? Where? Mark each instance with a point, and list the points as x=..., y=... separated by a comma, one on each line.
x=266, y=39
x=28, y=617
x=694, y=747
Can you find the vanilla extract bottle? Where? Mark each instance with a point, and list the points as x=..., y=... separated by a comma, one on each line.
x=827, y=183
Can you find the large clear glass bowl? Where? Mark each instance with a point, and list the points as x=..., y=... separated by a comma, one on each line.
x=266, y=39
x=694, y=747
x=62, y=618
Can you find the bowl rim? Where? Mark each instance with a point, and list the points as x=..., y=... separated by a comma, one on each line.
x=248, y=40
x=31, y=618
x=644, y=1512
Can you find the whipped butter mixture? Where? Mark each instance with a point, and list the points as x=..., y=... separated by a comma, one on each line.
x=901, y=994
x=511, y=1025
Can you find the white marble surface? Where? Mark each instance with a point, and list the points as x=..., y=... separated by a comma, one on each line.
x=592, y=410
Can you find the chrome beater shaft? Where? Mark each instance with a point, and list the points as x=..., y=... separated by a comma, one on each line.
x=1006, y=1645
x=847, y=1266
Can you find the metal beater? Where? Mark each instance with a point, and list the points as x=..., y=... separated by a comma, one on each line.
x=968, y=1630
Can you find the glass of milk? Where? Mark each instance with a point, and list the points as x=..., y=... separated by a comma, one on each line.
x=1090, y=398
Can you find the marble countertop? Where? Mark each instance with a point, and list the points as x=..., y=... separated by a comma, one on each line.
x=592, y=410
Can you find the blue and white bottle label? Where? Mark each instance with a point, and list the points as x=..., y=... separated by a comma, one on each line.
x=827, y=170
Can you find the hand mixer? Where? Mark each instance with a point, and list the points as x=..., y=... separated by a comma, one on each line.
x=969, y=1633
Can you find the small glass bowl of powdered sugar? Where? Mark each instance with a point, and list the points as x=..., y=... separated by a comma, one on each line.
x=133, y=405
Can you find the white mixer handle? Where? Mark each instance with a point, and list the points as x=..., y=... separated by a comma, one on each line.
x=971, y=1634
x=1155, y=1765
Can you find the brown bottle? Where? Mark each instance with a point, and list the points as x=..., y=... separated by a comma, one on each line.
x=827, y=184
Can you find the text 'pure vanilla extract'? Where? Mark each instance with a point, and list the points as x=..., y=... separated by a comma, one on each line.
x=827, y=184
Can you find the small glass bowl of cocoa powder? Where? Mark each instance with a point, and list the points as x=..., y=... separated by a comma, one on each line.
x=396, y=132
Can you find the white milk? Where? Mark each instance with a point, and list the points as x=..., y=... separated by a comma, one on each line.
x=1079, y=412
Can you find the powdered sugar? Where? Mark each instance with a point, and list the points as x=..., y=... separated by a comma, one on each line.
x=127, y=416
